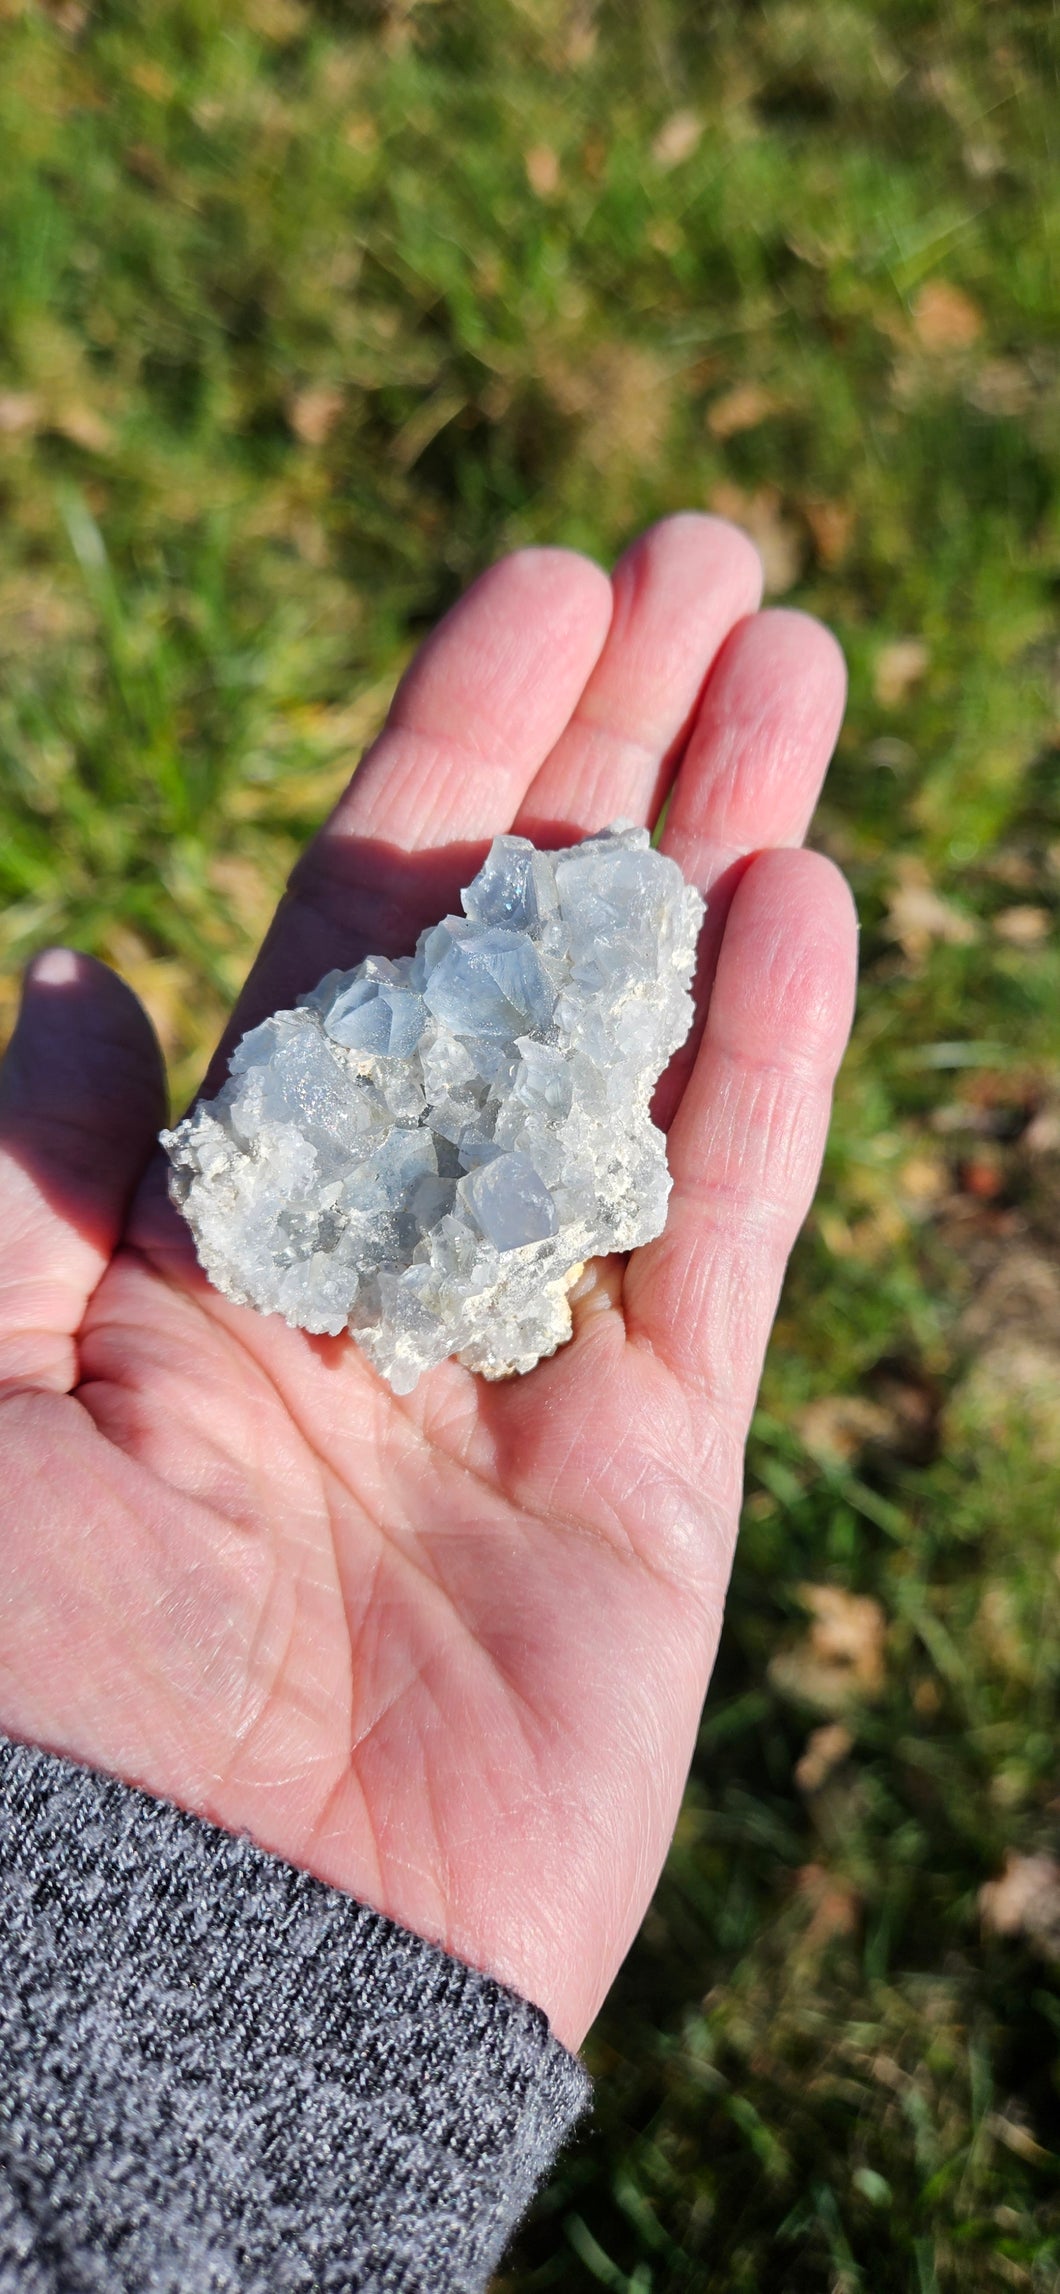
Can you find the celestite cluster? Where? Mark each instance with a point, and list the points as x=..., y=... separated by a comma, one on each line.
x=426, y=1151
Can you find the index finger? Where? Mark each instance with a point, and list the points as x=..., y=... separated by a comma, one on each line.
x=482, y=705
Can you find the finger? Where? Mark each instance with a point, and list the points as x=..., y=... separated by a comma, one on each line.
x=82, y=1096
x=678, y=591
x=751, y=774
x=483, y=703
x=745, y=1146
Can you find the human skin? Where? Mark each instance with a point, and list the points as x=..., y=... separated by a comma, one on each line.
x=447, y=1651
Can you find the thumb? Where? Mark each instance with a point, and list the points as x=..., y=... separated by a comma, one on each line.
x=82, y=1096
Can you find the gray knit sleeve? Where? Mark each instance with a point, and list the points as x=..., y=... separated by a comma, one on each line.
x=218, y=2076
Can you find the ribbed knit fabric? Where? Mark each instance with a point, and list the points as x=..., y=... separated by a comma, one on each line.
x=218, y=2076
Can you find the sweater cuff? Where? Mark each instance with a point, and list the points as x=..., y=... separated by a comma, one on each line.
x=217, y=2072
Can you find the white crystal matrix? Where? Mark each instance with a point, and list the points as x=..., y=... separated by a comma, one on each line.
x=426, y=1151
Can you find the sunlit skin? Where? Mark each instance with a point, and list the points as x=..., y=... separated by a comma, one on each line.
x=446, y=1652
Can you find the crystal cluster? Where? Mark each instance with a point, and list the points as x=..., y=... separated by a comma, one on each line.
x=426, y=1151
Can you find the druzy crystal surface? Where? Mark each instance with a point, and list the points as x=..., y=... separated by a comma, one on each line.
x=426, y=1150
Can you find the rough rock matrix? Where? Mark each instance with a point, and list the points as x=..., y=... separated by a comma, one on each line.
x=426, y=1151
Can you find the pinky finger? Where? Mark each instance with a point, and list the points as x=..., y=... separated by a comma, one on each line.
x=745, y=1146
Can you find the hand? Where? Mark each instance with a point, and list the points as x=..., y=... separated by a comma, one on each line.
x=448, y=1653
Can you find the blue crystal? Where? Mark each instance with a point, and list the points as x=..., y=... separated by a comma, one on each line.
x=377, y=1016
x=514, y=887
x=509, y=1202
x=493, y=985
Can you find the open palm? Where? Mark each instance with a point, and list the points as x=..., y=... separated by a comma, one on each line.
x=446, y=1652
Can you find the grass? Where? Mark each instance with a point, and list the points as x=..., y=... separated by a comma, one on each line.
x=306, y=311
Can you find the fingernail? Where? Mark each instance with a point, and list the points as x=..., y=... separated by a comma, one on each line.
x=54, y=968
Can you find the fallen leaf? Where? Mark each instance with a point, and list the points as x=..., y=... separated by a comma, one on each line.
x=152, y=79
x=310, y=539
x=1020, y=1299
x=1014, y=868
x=741, y=409
x=945, y=318
x=542, y=170
x=429, y=420
x=917, y=915
x=888, y=2073
x=1009, y=1651
x=899, y=666
x=313, y=412
x=983, y=160
x=832, y=527
x=834, y=1903
x=776, y=537
x=361, y=133
x=622, y=395
x=1023, y=927
x=666, y=236
x=1012, y=1328
x=1024, y=1901
x=1002, y=386
x=924, y=1180
x=825, y=1751
x=848, y=1631
x=70, y=15
x=841, y=1658
x=579, y=46
x=1042, y=1135
x=677, y=139
x=1016, y=1380
x=276, y=20
x=1015, y=2136
x=36, y=609
x=82, y=426
x=839, y=1425
x=19, y=410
